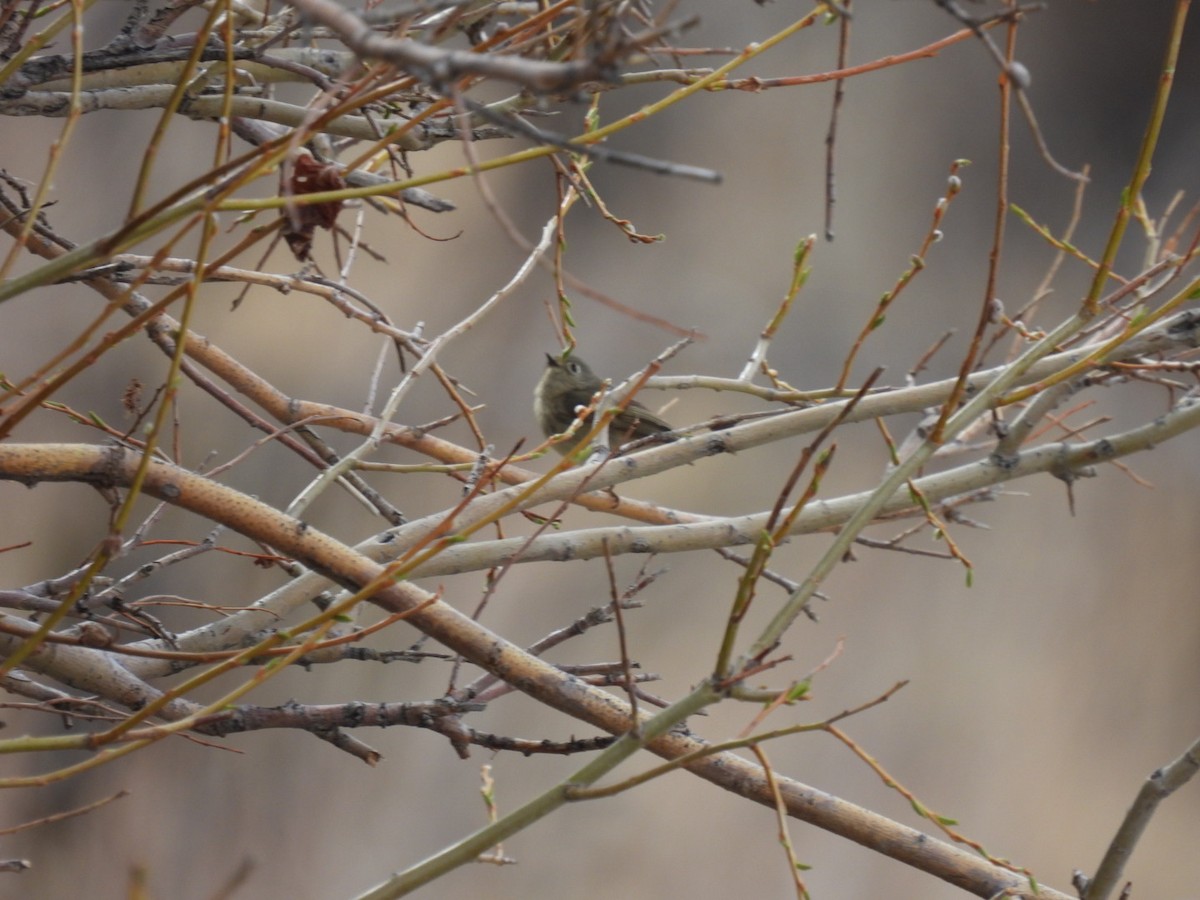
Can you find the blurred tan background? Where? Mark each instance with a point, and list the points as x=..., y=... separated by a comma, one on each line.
x=1040, y=697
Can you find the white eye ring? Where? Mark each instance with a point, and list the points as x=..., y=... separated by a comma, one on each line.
x=573, y=367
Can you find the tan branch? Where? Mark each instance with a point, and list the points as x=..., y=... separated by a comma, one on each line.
x=116, y=467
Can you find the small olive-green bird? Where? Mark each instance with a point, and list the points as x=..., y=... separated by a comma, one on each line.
x=568, y=384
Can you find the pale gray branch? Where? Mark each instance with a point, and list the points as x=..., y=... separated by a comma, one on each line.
x=818, y=515
x=56, y=104
x=690, y=531
x=1160, y=785
x=89, y=670
x=276, y=67
x=439, y=66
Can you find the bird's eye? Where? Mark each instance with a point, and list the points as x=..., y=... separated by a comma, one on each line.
x=573, y=367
